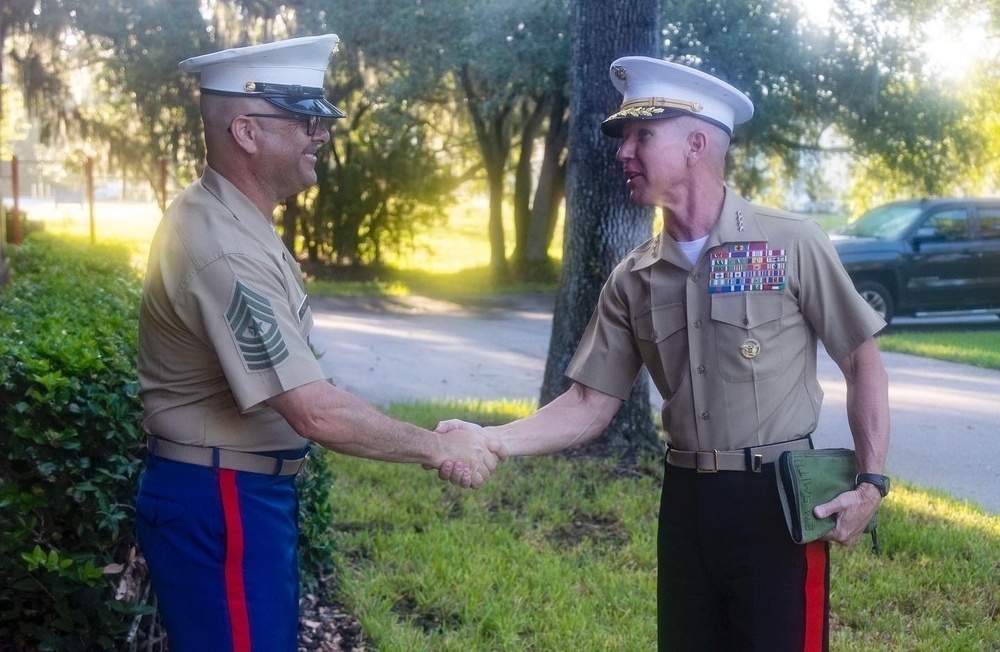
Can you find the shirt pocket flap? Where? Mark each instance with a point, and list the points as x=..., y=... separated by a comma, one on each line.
x=659, y=323
x=747, y=309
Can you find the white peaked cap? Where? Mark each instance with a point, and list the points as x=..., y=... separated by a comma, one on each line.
x=654, y=89
x=289, y=73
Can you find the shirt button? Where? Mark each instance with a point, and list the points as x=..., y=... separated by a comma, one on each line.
x=695, y=278
x=704, y=416
x=701, y=369
x=697, y=323
x=745, y=321
x=654, y=335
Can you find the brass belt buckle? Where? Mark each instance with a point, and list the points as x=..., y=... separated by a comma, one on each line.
x=715, y=458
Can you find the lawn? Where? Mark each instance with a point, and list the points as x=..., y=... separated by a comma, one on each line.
x=979, y=345
x=554, y=554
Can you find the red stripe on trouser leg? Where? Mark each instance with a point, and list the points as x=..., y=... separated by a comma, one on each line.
x=816, y=596
x=239, y=620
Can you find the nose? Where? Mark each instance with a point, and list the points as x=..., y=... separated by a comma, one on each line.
x=626, y=151
x=322, y=133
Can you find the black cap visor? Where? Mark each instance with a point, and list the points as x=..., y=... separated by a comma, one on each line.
x=316, y=106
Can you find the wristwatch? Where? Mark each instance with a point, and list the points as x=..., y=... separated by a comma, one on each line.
x=881, y=482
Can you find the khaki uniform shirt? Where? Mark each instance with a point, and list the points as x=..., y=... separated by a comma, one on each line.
x=733, y=354
x=224, y=324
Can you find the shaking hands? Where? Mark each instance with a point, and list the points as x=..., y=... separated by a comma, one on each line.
x=470, y=454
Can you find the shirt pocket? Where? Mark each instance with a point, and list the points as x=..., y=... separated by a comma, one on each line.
x=661, y=334
x=747, y=329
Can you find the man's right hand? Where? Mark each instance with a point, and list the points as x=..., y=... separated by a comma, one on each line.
x=470, y=455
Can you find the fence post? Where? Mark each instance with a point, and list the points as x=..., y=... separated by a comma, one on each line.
x=90, y=198
x=15, y=218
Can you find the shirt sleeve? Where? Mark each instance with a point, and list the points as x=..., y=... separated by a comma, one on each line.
x=827, y=297
x=246, y=313
x=607, y=358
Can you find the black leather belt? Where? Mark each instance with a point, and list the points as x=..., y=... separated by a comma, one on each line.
x=746, y=459
x=223, y=458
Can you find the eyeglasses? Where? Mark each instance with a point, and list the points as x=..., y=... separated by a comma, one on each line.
x=312, y=121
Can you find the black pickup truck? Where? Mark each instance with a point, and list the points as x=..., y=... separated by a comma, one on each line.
x=925, y=256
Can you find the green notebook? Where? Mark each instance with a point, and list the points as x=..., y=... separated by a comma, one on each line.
x=807, y=478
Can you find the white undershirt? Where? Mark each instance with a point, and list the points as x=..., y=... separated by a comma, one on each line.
x=693, y=249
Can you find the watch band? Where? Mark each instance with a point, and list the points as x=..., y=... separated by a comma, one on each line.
x=880, y=482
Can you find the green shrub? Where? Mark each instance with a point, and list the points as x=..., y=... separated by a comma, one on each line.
x=72, y=451
x=70, y=418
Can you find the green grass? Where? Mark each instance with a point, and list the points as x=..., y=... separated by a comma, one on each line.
x=977, y=347
x=557, y=554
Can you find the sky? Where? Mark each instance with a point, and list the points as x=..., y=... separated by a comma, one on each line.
x=953, y=45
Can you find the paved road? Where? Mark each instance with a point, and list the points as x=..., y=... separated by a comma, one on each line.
x=945, y=416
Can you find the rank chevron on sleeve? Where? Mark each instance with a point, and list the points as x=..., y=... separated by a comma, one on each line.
x=255, y=329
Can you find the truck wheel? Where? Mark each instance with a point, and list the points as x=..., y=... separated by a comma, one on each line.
x=878, y=298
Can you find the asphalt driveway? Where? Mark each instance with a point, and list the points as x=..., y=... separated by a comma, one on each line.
x=945, y=416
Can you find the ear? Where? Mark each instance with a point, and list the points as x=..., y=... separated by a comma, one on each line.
x=244, y=132
x=697, y=145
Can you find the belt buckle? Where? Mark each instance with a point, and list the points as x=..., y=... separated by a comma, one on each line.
x=714, y=452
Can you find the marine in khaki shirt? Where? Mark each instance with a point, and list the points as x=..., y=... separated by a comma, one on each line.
x=232, y=392
x=733, y=355
x=725, y=308
x=224, y=324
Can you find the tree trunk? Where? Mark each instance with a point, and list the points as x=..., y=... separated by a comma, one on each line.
x=4, y=272
x=498, y=250
x=601, y=227
x=551, y=187
x=533, y=115
x=491, y=133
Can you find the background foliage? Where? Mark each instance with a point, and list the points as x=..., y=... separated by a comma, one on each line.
x=482, y=89
x=70, y=422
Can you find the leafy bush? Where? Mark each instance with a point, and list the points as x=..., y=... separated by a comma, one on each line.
x=70, y=427
x=70, y=418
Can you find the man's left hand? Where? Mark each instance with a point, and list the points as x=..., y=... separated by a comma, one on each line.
x=852, y=511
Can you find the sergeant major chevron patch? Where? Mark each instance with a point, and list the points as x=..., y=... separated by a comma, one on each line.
x=255, y=329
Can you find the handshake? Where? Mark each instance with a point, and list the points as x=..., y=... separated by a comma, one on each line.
x=469, y=453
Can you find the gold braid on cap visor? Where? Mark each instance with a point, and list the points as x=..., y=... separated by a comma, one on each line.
x=647, y=107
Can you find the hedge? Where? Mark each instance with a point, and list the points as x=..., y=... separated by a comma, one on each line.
x=72, y=451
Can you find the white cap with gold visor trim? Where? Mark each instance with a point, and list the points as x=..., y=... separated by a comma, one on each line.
x=653, y=89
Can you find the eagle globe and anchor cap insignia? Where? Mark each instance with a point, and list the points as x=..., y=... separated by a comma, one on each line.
x=254, y=327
